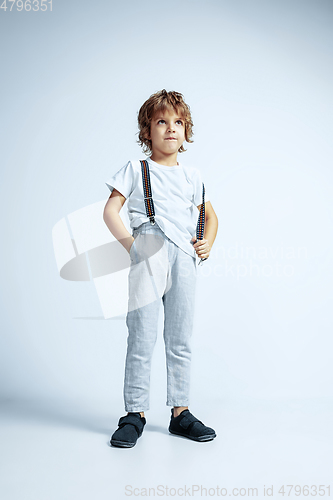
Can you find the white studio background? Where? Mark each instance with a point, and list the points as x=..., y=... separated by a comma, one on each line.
x=258, y=78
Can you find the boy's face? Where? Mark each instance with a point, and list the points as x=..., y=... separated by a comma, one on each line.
x=167, y=133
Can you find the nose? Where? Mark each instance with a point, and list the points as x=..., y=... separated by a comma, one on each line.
x=171, y=127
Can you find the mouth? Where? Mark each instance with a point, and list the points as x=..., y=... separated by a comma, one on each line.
x=171, y=139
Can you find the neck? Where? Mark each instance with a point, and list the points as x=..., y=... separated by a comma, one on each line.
x=168, y=161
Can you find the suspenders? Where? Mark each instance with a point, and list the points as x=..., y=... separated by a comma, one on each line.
x=149, y=204
x=201, y=220
x=150, y=211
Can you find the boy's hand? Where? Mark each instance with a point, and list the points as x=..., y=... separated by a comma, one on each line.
x=202, y=247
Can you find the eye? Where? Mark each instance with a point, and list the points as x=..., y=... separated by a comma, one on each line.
x=180, y=121
x=161, y=121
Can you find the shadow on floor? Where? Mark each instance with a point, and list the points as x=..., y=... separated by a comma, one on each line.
x=59, y=413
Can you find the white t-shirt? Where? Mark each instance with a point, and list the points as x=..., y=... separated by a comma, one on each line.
x=176, y=192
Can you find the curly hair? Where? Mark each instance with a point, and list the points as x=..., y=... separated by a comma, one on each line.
x=162, y=101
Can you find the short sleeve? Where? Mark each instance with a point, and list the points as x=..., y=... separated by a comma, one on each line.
x=122, y=181
x=197, y=196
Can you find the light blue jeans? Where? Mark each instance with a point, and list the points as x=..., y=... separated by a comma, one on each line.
x=159, y=270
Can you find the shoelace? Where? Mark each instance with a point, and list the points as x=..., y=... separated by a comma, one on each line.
x=149, y=204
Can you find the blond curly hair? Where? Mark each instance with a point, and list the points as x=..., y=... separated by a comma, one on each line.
x=161, y=101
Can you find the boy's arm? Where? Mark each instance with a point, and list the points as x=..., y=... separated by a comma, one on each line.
x=113, y=220
x=203, y=247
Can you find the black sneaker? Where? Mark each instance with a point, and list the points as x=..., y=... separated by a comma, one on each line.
x=130, y=428
x=189, y=426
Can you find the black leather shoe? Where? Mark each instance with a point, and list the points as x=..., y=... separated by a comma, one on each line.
x=130, y=428
x=189, y=426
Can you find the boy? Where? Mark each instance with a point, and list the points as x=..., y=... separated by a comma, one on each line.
x=163, y=252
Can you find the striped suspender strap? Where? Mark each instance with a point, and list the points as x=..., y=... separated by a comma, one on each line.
x=149, y=204
x=150, y=211
x=201, y=220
